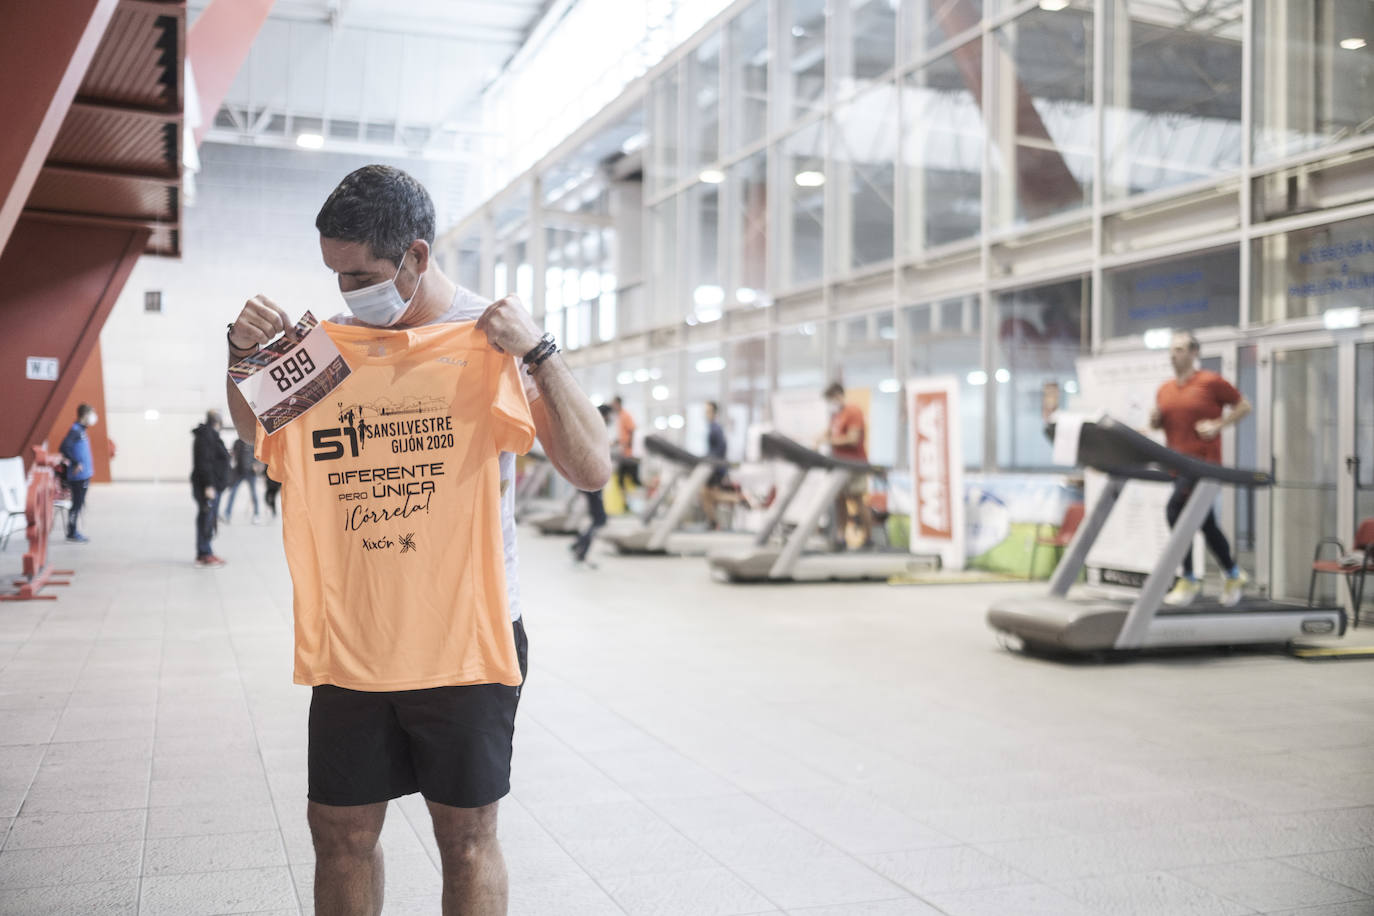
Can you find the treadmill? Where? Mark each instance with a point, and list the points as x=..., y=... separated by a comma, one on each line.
x=657, y=533
x=792, y=561
x=538, y=478
x=573, y=516
x=1061, y=623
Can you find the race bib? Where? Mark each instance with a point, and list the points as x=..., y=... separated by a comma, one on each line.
x=286, y=378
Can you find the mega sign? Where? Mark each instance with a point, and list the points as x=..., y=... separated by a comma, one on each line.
x=937, y=469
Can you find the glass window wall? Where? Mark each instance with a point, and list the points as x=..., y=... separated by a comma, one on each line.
x=943, y=145
x=945, y=338
x=746, y=367
x=748, y=244
x=1313, y=74
x=703, y=105
x=704, y=372
x=801, y=358
x=749, y=59
x=1040, y=334
x=1043, y=155
x=664, y=121
x=1197, y=291
x=1173, y=94
x=801, y=170
x=704, y=279
x=931, y=23
x=665, y=254
x=1307, y=271
x=869, y=47
x=863, y=162
x=804, y=39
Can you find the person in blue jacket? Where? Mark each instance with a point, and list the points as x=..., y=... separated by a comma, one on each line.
x=76, y=448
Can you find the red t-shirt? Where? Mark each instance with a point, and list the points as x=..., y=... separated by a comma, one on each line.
x=1203, y=397
x=843, y=424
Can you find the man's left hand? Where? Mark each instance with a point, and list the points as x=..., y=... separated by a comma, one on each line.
x=1208, y=429
x=509, y=327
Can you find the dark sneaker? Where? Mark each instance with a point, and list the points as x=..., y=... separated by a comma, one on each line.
x=78, y=538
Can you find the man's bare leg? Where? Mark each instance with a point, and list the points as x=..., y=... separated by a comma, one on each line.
x=349, y=874
x=474, y=869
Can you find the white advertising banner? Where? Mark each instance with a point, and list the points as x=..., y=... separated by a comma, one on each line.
x=1124, y=387
x=937, y=469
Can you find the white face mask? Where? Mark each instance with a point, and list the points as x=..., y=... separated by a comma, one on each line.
x=91, y=419
x=380, y=304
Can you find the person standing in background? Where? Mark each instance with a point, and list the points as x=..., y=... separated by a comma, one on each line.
x=596, y=508
x=76, y=448
x=716, y=448
x=244, y=471
x=209, y=477
x=626, y=464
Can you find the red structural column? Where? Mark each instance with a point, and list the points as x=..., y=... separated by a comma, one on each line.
x=58, y=284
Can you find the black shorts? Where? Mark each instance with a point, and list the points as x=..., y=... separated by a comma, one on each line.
x=451, y=744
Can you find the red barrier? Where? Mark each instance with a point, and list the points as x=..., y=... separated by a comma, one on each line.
x=37, y=573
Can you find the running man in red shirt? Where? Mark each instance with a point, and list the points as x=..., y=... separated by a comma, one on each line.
x=1191, y=410
x=846, y=435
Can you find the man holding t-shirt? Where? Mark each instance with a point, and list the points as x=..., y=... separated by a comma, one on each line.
x=408, y=625
x=1192, y=410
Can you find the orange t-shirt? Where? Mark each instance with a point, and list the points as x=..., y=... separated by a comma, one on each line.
x=1203, y=397
x=849, y=418
x=391, y=511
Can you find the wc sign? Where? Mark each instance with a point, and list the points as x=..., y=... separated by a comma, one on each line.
x=937, y=462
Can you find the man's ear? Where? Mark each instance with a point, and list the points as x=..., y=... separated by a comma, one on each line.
x=422, y=253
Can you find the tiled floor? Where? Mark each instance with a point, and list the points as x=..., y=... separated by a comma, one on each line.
x=684, y=747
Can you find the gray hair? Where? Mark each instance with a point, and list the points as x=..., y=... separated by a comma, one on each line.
x=382, y=206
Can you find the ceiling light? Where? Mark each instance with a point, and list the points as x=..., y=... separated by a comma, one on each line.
x=661, y=392
x=1336, y=319
x=625, y=377
x=151, y=414
x=309, y=141
x=977, y=377
x=746, y=296
x=1353, y=44
x=641, y=375
x=708, y=296
x=712, y=176
x=889, y=386
x=809, y=179
x=1071, y=387
x=661, y=423
x=597, y=400
x=655, y=374
x=1158, y=338
x=710, y=364
x=1003, y=376
x=676, y=421
x=798, y=32
x=1053, y=6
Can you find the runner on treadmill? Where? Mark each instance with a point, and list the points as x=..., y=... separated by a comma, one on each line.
x=1191, y=409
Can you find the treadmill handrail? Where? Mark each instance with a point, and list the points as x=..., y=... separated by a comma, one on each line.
x=776, y=445
x=668, y=451
x=1114, y=447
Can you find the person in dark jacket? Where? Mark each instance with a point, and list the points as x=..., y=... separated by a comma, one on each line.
x=244, y=471
x=209, y=477
x=76, y=448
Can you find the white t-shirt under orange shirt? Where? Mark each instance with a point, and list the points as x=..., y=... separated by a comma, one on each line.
x=392, y=499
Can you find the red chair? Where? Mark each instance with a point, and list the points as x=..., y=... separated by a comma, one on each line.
x=1073, y=517
x=1342, y=565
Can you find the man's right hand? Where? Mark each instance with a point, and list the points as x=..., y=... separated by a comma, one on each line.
x=260, y=321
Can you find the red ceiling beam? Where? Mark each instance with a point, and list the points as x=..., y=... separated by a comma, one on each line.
x=45, y=49
x=217, y=44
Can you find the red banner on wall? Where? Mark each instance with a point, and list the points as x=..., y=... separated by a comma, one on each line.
x=937, y=523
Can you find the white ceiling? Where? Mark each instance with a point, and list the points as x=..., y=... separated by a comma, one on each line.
x=372, y=76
